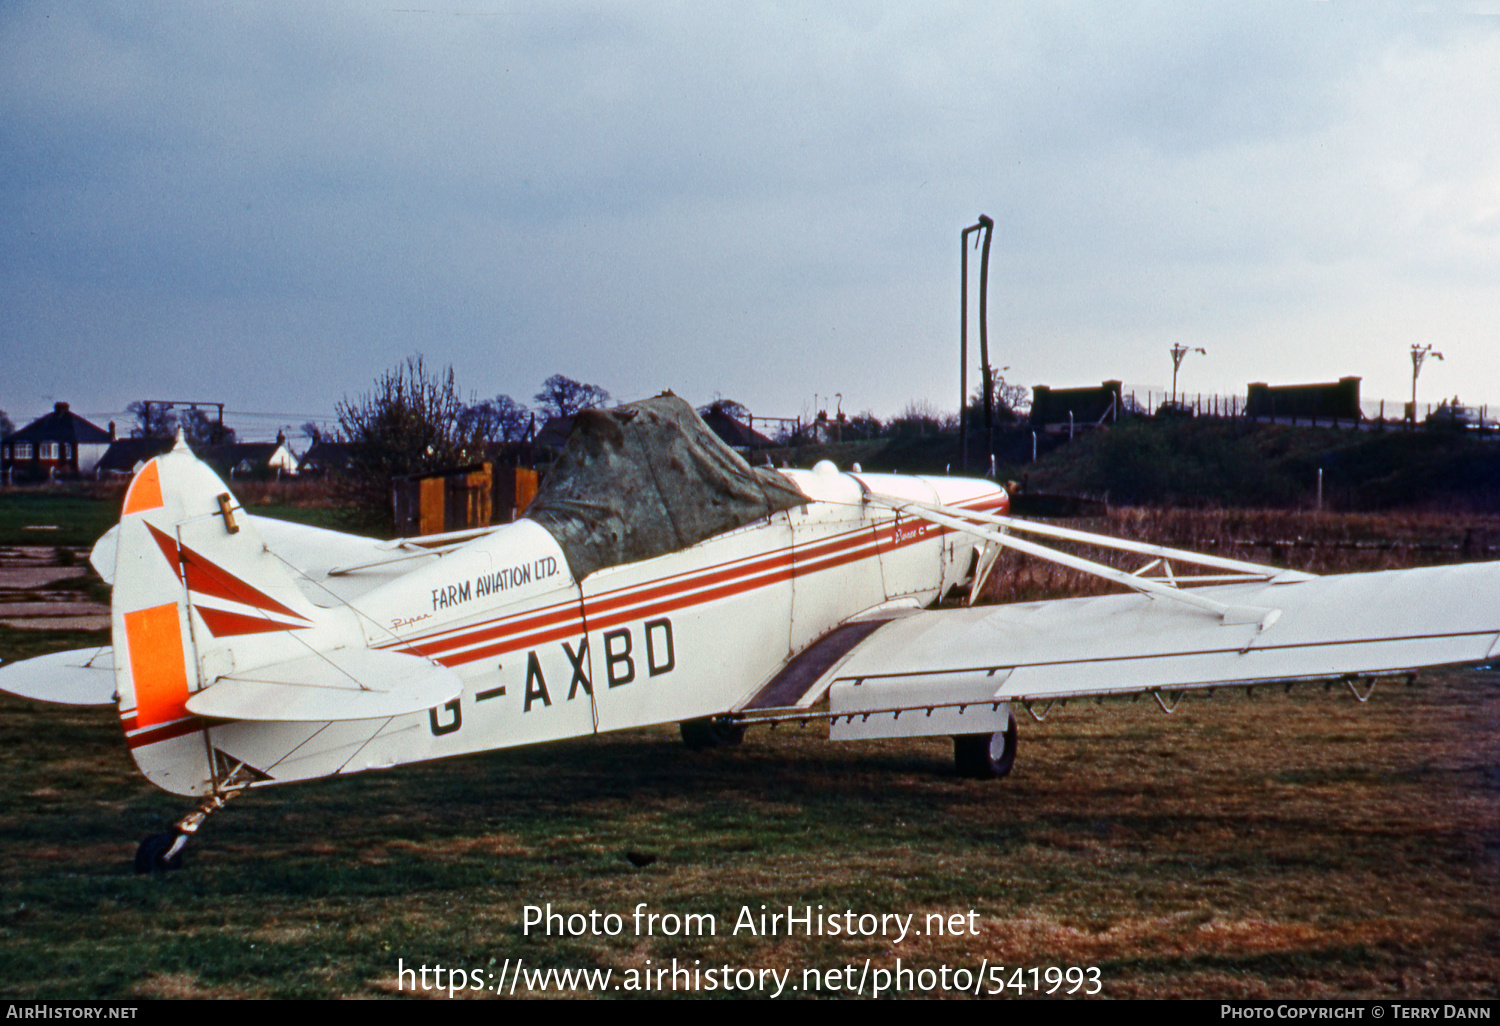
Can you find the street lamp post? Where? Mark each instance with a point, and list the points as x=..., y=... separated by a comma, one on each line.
x=1418, y=355
x=986, y=225
x=1178, y=352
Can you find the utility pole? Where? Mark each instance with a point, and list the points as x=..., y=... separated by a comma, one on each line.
x=167, y=405
x=1418, y=355
x=1178, y=352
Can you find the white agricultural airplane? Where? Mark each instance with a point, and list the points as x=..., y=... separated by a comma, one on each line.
x=658, y=578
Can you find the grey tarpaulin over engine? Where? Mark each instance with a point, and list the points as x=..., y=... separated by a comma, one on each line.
x=648, y=478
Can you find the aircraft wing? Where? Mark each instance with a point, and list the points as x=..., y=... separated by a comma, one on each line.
x=1349, y=626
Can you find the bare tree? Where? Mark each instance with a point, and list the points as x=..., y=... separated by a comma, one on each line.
x=1010, y=402
x=152, y=420
x=728, y=407
x=864, y=425
x=500, y=419
x=919, y=418
x=561, y=396
x=201, y=430
x=412, y=420
x=6, y=427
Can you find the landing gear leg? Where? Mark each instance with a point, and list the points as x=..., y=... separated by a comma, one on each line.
x=161, y=853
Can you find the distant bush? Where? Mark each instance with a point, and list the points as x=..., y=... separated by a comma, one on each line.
x=1185, y=463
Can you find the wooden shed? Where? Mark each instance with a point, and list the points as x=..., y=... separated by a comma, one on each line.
x=462, y=498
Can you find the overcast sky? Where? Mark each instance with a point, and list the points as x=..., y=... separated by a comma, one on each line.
x=268, y=205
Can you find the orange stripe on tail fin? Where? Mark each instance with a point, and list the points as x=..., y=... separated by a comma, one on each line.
x=157, y=664
x=145, y=491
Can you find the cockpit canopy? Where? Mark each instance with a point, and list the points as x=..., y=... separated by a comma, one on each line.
x=648, y=478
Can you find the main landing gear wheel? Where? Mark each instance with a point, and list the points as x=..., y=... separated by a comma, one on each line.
x=699, y=735
x=986, y=756
x=151, y=856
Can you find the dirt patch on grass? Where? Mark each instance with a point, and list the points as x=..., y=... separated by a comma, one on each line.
x=187, y=986
x=497, y=845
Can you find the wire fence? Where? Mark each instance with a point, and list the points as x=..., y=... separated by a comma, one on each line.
x=1150, y=401
x=1374, y=413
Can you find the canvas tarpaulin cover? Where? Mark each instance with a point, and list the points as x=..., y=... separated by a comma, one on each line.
x=649, y=478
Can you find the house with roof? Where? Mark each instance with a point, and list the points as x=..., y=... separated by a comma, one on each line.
x=325, y=457
x=740, y=437
x=127, y=455
x=231, y=460
x=554, y=433
x=60, y=444
x=250, y=459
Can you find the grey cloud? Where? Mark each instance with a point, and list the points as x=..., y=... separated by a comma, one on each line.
x=762, y=202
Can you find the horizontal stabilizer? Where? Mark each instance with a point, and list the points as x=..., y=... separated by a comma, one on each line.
x=344, y=684
x=84, y=676
x=102, y=555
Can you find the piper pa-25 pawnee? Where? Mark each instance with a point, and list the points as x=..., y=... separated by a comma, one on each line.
x=659, y=578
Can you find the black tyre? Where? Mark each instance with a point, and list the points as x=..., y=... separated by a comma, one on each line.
x=986, y=756
x=707, y=733
x=148, y=857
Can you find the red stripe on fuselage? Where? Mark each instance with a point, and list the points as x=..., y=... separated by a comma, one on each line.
x=625, y=611
x=758, y=572
x=165, y=732
x=673, y=584
x=668, y=594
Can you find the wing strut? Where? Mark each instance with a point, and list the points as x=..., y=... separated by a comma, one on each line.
x=972, y=522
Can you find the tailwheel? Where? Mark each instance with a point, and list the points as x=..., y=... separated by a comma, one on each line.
x=710, y=733
x=160, y=853
x=986, y=756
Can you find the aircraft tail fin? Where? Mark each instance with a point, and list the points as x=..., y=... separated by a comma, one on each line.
x=197, y=596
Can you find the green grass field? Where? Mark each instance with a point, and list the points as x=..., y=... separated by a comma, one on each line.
x=1294, y=845
x=30, y=517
